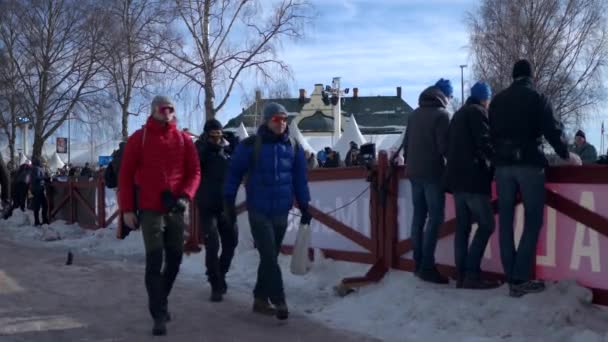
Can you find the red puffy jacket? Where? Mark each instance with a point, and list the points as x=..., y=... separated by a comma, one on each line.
x=157, y=157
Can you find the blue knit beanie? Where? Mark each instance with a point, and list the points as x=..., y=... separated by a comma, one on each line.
x=273, y=108
x=481, y=91
x=446, y=87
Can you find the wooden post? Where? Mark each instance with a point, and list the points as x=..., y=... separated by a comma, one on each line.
x=101, y=202
x=72, y=200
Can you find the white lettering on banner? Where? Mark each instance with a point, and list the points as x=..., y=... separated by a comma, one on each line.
x=549, y=258
x=519, y=224
x=579, y=250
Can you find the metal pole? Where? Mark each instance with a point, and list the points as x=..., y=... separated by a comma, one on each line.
x=462, y=82
x=69, y=139
x=337, y=111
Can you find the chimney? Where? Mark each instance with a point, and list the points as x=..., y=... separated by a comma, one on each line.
x=258, y=95
x=302, y=95
x=355, y=93
x=399, y=92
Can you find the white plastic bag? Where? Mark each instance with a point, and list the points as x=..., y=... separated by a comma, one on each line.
x=300, y=263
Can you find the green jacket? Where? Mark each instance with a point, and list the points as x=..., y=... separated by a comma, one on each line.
x=587, y=153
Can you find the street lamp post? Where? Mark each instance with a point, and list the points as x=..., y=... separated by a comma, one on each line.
x=462, y=82
x=69, y=138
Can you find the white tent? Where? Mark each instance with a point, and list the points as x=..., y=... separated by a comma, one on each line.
x=241, y=132
x=23, y=159
x=295, y=133
x=351, y=133
x=397, y=143
x=55, y=162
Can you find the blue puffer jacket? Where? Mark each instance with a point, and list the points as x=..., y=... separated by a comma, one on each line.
x=278, y=175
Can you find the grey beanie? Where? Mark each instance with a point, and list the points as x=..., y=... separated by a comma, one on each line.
x=160, y=100
x=272, y=108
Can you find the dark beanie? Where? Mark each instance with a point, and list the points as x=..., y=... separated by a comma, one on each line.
x=271, y=109
x=212, y=125
x=580, y=134
x=522, y=68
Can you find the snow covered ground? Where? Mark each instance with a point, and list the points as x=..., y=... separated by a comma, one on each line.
x=400, y=308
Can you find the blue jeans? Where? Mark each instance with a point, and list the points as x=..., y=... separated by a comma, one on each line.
x=530, y=182
x=429, y=201
x=471, y=208
x=268, y=233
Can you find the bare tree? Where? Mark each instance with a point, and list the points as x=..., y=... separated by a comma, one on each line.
x=234, y=38
x=132, y=54
x=56, y=46
x=11, y=107
x=565, y=40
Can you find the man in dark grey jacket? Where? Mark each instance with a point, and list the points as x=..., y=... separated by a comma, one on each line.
x=425, y=146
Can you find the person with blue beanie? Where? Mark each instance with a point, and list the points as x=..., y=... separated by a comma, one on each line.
x=424, y=148
x=446, y=87
x=469, y=178
x=276, y=170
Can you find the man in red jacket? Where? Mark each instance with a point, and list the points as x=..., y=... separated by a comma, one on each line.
x=159, y=175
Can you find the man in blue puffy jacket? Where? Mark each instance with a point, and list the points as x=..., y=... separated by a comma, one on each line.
x=276, y=174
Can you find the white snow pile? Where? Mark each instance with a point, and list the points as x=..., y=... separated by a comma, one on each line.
x=399, y=308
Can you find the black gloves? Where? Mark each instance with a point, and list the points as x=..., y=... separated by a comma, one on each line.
x=172, y=204
x=306, y=217
x=230, y=212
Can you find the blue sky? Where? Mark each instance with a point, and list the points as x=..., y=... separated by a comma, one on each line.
x=377, y=45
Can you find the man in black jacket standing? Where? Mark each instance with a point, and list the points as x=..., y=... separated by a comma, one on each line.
x=519, y=117
x=469, y=177
x=214, y=161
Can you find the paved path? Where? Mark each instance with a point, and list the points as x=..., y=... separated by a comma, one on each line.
x=42, y=300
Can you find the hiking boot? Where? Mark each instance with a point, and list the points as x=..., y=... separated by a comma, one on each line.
x=521, y=289
x=263, y=306
x=216, y=296
x=160, y=327
x=479, y=284
x=223, y=286
x=433, y=276
x=282, y=311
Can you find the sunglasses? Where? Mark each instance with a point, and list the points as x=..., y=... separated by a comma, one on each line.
x=163, y=108
x=279, y=118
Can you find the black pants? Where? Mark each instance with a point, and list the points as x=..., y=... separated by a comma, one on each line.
x=268, y=233
x=163, y=234
x=215, y=228
x=40, y=203
x=20, y=195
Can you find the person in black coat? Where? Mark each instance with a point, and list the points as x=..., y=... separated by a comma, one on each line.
x=86, y=171
x=39, y=179
x=520, y=117
x=469, y=178
x=214, y=162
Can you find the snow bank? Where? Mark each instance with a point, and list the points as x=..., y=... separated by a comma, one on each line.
x=399, y=308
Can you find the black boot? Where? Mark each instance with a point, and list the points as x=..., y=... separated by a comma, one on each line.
x=160, y=327
x=433, y=276
x=282, y=311
x=263, y=306
x=223, y=284
x=216, y=296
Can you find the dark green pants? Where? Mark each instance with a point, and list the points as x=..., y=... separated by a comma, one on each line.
x=163, y=234
x=268, y=233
